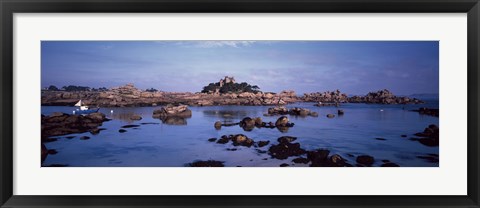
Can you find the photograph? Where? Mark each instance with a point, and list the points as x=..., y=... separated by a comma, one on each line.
x=239, y=103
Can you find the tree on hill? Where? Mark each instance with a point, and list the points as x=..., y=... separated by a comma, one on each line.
x=230, y=87
x=151, y=90
x=52, y=88
x=71, y=88
x=101, y=89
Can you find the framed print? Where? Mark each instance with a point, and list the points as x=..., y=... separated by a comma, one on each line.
x=262, y=104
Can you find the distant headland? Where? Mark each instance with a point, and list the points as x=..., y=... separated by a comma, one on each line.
x=225, y=92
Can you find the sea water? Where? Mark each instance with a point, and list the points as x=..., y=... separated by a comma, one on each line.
x=158, y=144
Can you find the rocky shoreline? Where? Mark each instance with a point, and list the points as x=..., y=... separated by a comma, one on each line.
x=58, y=124
x=130, y=96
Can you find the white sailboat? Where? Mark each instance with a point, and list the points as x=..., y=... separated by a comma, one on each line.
x=84, y=109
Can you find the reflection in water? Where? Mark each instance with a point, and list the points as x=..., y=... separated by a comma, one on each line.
x=122, y=115
x=226, y=114
x=283, y=129
x=248, y=128
x=175, y=120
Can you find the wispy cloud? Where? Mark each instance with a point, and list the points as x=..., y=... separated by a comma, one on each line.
x=215, y=44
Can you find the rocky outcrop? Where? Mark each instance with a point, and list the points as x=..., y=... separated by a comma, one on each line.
x=326, y=97
x=320, y=158
x=237, y=140
x=207, y=163
x=365, y=160
x=320, y=104
x=283, y=122
x=130, y=96
x=428, y=111
x=135, y=117
x=429, y=136
x=281, y=110
x=285, y=148
x=61, y=124
x=173, y=115
x=295, y=111
x=383, y=97
x=181, y=111
x=247, y=123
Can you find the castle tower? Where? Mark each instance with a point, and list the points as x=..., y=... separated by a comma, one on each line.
x=226, y=80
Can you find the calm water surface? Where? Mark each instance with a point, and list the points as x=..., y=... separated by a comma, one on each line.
x=175, y=144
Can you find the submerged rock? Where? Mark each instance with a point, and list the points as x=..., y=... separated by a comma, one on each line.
x=282, y=121
x=286, y=139
x=130, y=126
x=135, y=117
x=208, y=163
x=61, y=124
x=300, y=112
x=242, y=140
x=148, y=123
x=84, y=137
x=259, y=122
x=212, y=139
x=430, y=136
x=247, y=124
x=284, y=150
x=278, y=111
x=428, y=111
x=263, y=143
x=390, y=164
x=301, y=160
x=337, y=161
x=224, y=139
x=295, y=111
x=365, y=160
x=319, y=158
x=95, y=131
x=218, y=125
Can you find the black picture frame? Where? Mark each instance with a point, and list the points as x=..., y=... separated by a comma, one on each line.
x=10, y=7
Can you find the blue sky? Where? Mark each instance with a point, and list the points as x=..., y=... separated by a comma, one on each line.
x=354, y=67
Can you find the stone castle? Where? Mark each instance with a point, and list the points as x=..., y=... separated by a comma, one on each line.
x=226, y=80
